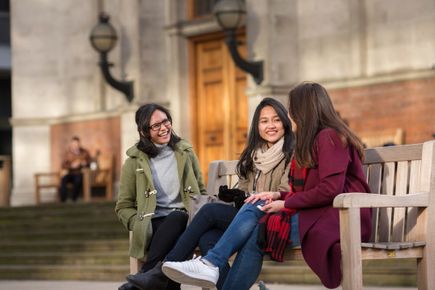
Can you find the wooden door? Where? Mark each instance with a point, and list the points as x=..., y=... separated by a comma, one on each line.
x=220, y=104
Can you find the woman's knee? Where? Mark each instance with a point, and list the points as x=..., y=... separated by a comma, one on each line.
x=208, y=207
x=249, y=208
x=211, y=210
x=178, y=217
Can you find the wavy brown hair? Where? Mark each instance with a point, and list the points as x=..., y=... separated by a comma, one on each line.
x=311, y=108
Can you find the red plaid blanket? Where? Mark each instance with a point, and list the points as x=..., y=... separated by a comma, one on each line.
x=274, y=228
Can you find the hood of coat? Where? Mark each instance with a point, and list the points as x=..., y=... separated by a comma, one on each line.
x=182, y=145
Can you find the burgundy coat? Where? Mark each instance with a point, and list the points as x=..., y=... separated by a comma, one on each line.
x=339, y=169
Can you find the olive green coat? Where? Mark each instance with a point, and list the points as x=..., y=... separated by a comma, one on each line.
x=137, y=194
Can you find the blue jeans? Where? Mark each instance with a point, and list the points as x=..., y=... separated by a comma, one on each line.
x=236, y=235
x=204, y=231
x=242, y=236
x=294, y=233
x=246, y=266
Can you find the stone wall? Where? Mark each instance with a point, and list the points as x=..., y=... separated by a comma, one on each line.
x=374, y=56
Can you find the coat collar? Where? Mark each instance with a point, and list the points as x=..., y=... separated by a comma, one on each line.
x=181, y=146
x=180, y=154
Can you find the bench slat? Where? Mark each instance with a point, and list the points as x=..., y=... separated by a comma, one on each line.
x=398, y=229
x=385, y=214
x=393, y=245
x=393, y=153
x=382, y=254
x=411, y=233
x=375, y=181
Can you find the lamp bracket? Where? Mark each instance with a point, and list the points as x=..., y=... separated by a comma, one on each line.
x=254, y=68
x=125, y=87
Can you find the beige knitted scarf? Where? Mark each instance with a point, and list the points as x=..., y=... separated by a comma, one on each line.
x=265, y=159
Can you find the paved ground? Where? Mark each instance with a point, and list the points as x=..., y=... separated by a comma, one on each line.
x=82, y=285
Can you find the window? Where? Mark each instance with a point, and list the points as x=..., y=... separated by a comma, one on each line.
x=200, y=8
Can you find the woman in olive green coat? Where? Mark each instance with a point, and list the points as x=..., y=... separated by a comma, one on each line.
x=156, y=180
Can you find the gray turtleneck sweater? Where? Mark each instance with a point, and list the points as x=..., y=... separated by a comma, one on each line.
x=166, y=181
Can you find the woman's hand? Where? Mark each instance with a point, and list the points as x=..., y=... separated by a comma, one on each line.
x=268, y=196
x=273, y=206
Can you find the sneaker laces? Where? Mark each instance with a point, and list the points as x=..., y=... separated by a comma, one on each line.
x=195, y=265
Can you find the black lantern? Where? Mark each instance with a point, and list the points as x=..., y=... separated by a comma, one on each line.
x=103, y=38
x=230, y=14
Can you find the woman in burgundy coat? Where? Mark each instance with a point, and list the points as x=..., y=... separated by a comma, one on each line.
x=332, y=155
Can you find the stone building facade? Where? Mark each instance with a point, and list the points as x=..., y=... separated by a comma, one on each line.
x=376, y=58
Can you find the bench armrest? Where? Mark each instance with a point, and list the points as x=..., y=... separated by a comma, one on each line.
x=364, y=200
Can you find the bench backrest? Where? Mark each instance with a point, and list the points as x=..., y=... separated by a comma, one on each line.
x=394, y=170
x=221, y=172
x=399, y=170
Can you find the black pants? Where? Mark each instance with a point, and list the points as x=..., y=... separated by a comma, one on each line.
x=76, y=179
x=166, y=232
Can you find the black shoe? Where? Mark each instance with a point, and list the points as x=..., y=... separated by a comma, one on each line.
x=127, y=286
x=152, y=279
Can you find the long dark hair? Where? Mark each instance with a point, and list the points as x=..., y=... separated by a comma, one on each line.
x=246, y=164
x=311, y=108
x=143, y=118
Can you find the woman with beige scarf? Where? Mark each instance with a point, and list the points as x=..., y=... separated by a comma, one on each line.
x=263, y=166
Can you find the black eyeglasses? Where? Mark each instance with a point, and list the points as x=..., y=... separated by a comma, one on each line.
x=157, y=126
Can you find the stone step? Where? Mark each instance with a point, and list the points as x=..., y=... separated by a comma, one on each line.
x=63, y=272
x=66, y=234
x=63, y=241
x=53, y=258
x=73, y=211
x=68, y=246
x=14, y=226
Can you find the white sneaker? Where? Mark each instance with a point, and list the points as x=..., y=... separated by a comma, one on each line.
x=193, y=272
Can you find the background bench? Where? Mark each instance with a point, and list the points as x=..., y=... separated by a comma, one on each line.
x=403, y=178
x=98, y=177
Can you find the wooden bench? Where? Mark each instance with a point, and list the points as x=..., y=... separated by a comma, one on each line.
x=403, y=180
x=100, y=177
x=44, y=181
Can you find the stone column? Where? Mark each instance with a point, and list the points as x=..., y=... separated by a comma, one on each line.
x=272, y=33
x=53, y=75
